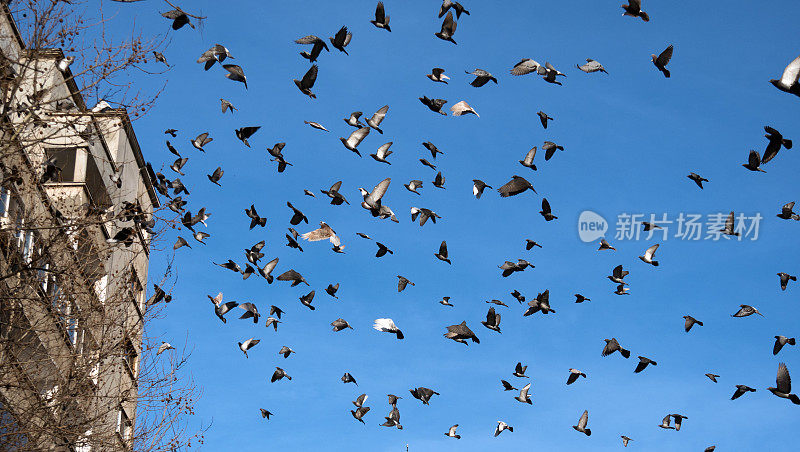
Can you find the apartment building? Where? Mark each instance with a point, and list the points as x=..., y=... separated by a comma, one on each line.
x=76, y=200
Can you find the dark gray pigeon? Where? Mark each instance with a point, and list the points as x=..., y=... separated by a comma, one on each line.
x=661, y=61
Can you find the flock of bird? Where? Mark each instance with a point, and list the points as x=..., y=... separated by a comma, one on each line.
x=372, y=202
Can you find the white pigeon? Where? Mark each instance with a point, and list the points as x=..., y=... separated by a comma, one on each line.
x=387, y=326
x=502, y=426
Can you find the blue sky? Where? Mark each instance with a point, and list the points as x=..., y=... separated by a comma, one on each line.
x=630, y=139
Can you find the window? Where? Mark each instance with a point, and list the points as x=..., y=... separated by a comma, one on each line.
x=130, y=358
x=124, y=425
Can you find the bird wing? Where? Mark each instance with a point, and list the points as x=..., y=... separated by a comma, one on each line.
x=310, y=77
x=380, y=13
x=357, y=137
x=583, y=420
x=783, y=381
x=525, y=66
x=377, y=193
x=545, y=206
x=310, y=39
x=443, y=249
x=529, y=156
x=321, y=233
x=648, y=254
x=664, y=57
x=523, y=393
x=729, y=222
x=384, y=151
x=449, y=25
x=791, y=73
x=462, y=108
x=377, y=118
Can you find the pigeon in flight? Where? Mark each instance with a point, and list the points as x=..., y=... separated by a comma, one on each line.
x=306, y=300
x=550, y=149
x=285, y=351
x=434, y=105
x=525, y=66
x=355, y=139
x=546, y=212
x=216, y=54
x=643, y=363
x=424, y=394
x=266, y=271
x=381, y=19
x=492, y=320
x=201, y=140
x=501, y=426
x=437, y=75
x=317, y=43
x=247, y=345
x=689, y=322
x=753, y=162
x=279, y=374
x=482, y=77
x=634, y=9
x=265, y=414
x=780, y=341
x=332, y=289
x=359, y=413
x=402, y=282
x=307, y=82
x=353, y=119
x=618, y=274
x=452, y=432
x=220, y=308
x=293, y=276
x=527, y=162
x=463, y=108
x=785, y=278
x=573, y=376
x=729, y=228
x=216, y=176
x=227, y=106
x=776, y=141
x=460, y=333
x=549, y=73
x=340, y=324
x=298, y=216
x=543, y=118
x=378, y=118
x=255, y=219
x=347, y=378
x=448, y=28
x=788, y=82
x=580, y=298
x=519, y=371
x=235, y=73
x=515, y=186
x=413, y=185
x=387, y=326
x=746, y=310
x=712, y=377
x=272, y=321
x=246, y=132
x=478, y=186
x=316, y=125
x=382, y=153
x=625, y=440
x=787, y=212
x=336, y=198
x=323, y=232
x=458, y=7
x=442, y=254
x=592, y=66
x=523, y=395
x=341, y=40
x=581, y=427
x=697, y=179
x=741, y=390
x=649, y=254
x=783, y=383
x=613, y=346
x=662, y=60
x=507, y=386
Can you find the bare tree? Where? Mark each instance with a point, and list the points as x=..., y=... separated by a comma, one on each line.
x=79, y=217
